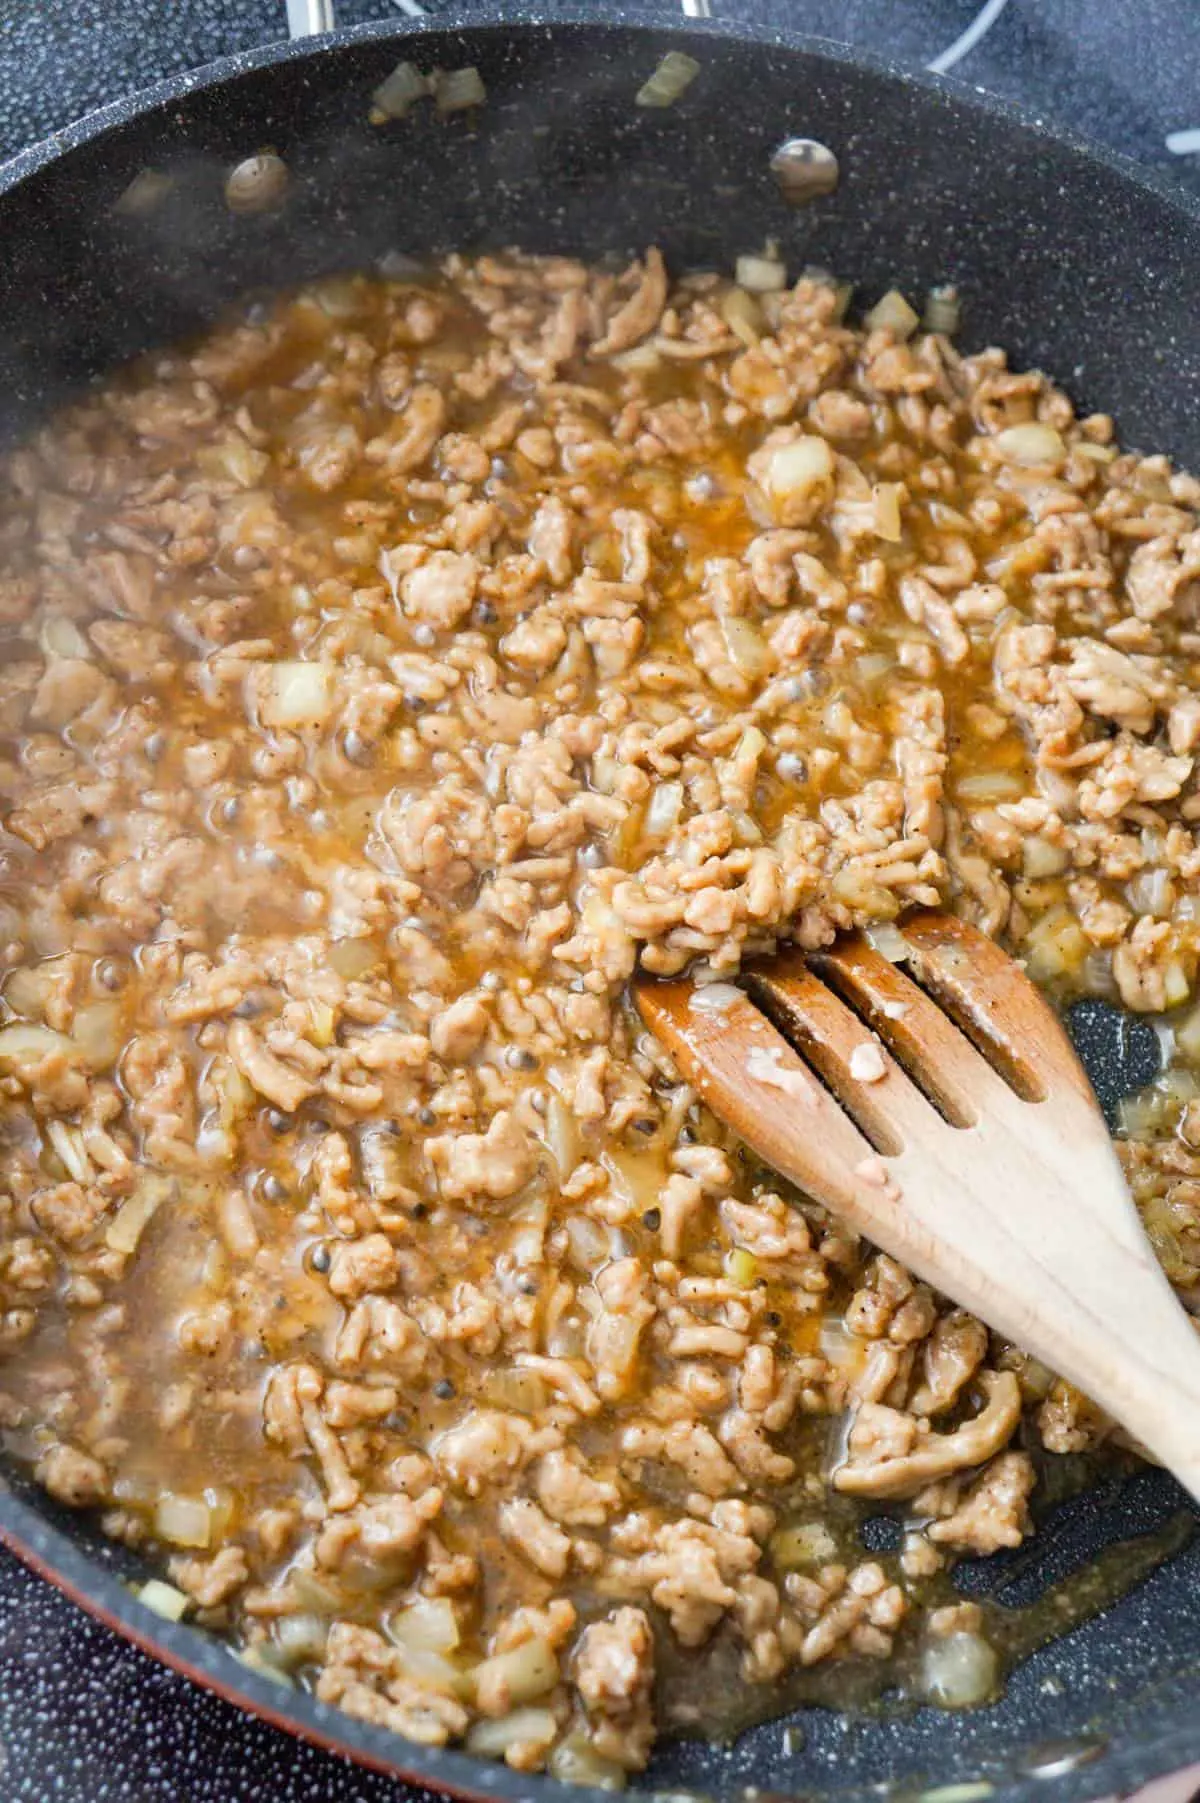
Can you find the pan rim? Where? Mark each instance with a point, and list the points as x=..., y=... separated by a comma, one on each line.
x=29, y=1533
x=954, y=95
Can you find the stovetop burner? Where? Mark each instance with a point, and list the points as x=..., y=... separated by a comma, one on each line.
x=84, y=1717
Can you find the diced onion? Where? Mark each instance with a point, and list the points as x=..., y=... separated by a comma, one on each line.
x=639, y=1176
x=589, y=1242
x=843, y=293
x=959, y=1670
x=641, y=357
x=400, y=91
x=760, y=275
x=301, y=1638
x=1095, y=453
x=1031, y=445
x=456, y=89
x=323, y=451
x=673, y=77
x=236, y=1096
x=131, y=1219
x=68, y=1143
x=1036, y=1379
x=887, y=939
x=338, y=296
x=324, y=1023
x=1054, y=947
x=575, y=1761
x=24, y=1043
x=26, y=987
x=98, y=1032
x=527, y=1245
x=1143, y=1114
x=524, y=1672
x=1097, y=974
x=567, y=1337
x=59, y=636
x=805, y=1543
x=742, y=314
x=430, y=1622
x=748, y=651
x=1179, y=1085
x=942, y=311
x=741, y=1267
x=352, y=957
x=433, y=1671
x=562, y=1136
x=236, y=1224
x=183, y=1520
x=164, y=1599
x=214, y=1272
x=1187, y=1035
x=873, y=665
x=255, y=1659
x=1042, y=859
x=220, y=1509
x=794, y=469
x=990, y=785
x=402, y=266
x=318, y=1597
x=1176, y=986
x=750, y=746
x=886, y=499
x=892, y=314
x=838, y=1344
x=148, y=188
x=1150, y=892
x=233, y=459
x=506, y=1387
x=495, y=1738
x=666, y=805
x=297, y=694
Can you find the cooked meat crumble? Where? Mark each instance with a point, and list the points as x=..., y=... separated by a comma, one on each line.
x=384, y=680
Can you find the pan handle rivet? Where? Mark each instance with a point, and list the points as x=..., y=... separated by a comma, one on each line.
x=804, y=170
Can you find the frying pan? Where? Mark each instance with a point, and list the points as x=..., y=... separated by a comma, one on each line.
x=1070, y=258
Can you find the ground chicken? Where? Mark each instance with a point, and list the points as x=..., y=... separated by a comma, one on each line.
x=394, y=672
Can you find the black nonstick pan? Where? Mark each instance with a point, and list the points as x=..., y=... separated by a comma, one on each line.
x=1068, y=258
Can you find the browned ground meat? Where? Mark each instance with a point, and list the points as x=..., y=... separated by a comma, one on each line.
x=383, y=680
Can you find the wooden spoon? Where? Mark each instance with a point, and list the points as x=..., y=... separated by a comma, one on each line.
x=962, y=1137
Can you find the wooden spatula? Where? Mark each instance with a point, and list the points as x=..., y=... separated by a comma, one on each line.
x=945, y=1116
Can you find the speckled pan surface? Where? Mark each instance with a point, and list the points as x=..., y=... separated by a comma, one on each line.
x=1122, y=73
x=1065, y=259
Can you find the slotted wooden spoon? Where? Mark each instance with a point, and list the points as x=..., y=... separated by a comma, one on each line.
x=962, y=1137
